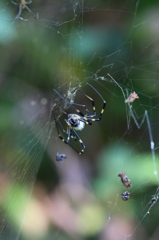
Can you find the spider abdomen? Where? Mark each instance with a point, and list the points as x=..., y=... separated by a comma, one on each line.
x=75, y=121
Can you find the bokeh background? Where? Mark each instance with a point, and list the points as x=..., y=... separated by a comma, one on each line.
x=113, y=45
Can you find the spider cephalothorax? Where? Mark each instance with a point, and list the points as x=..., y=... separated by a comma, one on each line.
x=76, y=122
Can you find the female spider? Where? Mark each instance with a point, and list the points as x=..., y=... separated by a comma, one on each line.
x=22, y=5
x=76, y=121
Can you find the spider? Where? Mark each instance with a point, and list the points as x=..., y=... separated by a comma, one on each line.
x=77, y=121
x=125, y=196
x=23, y=5
x=124, y=179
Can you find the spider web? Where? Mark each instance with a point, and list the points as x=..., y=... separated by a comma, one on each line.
x=113, y=45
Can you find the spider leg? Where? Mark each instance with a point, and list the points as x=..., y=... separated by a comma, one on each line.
x=28, y=2
x=104, y=103
x=88, y=117
x=81, y=105
x=86, y=121
x=57, y=121
x=93, y=104
x=15, y=3
x=72, y=105
x=80, y=141
x=19, y=12
x=75, y=136
x=35, y=16
x=29, y=10
x=70, y=133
